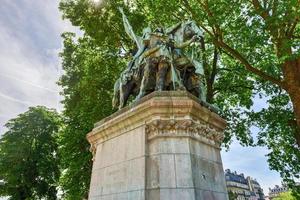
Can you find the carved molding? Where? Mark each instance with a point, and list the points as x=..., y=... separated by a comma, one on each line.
x=93, y=149
x=184, y=128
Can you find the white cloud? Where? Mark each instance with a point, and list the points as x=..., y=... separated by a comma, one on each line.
x=29, y=63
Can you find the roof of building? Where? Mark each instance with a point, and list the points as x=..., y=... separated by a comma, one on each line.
x=233, y=176
x=254, y=182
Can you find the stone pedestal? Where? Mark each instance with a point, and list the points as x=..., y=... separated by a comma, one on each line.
x=164, y=147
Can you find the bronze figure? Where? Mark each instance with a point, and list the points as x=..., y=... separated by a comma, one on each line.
x=163, y=61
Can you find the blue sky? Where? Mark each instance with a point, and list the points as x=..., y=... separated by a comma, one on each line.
x=29, y=68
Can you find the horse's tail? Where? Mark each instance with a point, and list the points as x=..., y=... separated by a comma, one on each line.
x=116, y=97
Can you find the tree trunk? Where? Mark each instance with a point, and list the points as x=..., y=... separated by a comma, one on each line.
x=296, y=105
x=210, y=79
x=291, y=71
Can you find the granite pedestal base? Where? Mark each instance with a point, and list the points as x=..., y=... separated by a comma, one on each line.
x=164, y=147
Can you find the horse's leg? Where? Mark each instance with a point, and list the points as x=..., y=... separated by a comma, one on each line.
x=196, y=86
x=148, y=80
x=143, y=83
x=127, y=90
x=179, y=80
x=180, y=75
x=202, y=91
x=121, y=103
x=116, y=97
x=163, y=68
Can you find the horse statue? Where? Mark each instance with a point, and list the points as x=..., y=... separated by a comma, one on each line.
x=160, y=63
x=174, y=68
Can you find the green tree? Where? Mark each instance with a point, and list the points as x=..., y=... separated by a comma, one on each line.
x=90, y=71
x=263, y=36
x=285, y=196
x=242, y=57
x=232, y=195
x=28, y=155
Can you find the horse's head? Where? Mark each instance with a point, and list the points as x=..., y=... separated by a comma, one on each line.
x=190, y=29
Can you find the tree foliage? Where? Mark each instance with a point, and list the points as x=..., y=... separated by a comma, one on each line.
x=90, y=71
x=285, y=196
x=28, y=155
x=251, y=50
x=232, y=195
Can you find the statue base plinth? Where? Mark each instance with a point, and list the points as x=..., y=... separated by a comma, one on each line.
x=166, y=147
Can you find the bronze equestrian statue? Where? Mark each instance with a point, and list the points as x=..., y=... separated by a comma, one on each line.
x=162, y=62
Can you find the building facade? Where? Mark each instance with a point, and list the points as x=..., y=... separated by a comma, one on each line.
x=246, y=188
x=254, y=187
x=274, y=192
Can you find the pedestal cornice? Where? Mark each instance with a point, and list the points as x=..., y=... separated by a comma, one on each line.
x=161, y=113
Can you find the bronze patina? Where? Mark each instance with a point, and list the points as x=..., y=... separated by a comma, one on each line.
x=163, y=61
